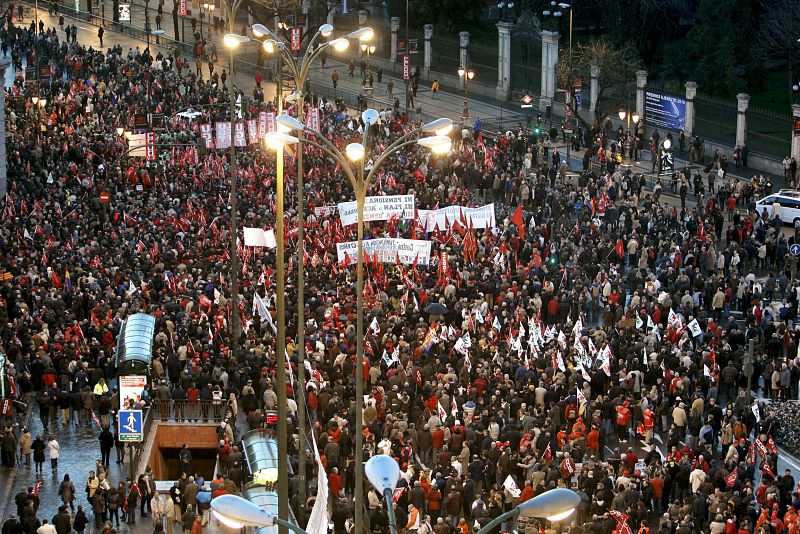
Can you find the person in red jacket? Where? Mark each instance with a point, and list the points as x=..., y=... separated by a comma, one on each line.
x=622, y=420
x=335, y=482
x=437, y=441
x=434, y=497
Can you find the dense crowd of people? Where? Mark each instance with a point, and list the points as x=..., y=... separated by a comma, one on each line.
x=597, y=338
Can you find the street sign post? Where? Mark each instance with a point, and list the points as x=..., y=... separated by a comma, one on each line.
x=795, y=249
x=182, y=8
x=130, y=425
x=406, y=67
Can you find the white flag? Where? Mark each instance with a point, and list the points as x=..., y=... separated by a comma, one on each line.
x=673, y=318
x=442, y=413
x=374, y=326
x=577, y=328
x=512, y=487
x=639, y=322
x=496, y=324
x=132, y=289
x=756, y=412
x=581, y=396
x=694, y=328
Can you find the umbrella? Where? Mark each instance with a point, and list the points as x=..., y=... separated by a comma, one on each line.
x=436, y=309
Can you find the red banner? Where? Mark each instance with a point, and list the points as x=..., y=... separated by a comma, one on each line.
x=294, y=39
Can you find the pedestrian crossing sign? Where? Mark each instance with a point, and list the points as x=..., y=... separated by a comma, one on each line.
x=130, y=425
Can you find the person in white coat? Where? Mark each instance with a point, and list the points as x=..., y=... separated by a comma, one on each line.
x=53, y=450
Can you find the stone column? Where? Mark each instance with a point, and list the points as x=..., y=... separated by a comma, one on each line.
x=641, y=83
x=593, y=87
x=503, y=60
x=4, y=64
x=363, y=14
x=305, y=7
x=691, y=92
x=549, y=61
x=795, y=138
x=428, y=52
x=742, y=101
x=395, y=25
x=463, y=39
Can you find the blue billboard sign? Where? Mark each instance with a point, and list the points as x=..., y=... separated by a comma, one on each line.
x=664, y=111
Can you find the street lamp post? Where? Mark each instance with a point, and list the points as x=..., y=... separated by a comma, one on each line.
x=465, y=74
x=627, y=145
x=233, y=41
x=554, y=505
x=209, y=9
x=368, y=49
x=355, y=153
x=236, y=512
x=299, y=71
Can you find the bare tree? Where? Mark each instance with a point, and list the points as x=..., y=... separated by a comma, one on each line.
x=616, y=84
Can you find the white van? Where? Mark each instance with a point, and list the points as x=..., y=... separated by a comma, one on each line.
x=789, y=202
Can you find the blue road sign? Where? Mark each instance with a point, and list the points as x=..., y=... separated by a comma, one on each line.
x=130, y=425
x=795, y=249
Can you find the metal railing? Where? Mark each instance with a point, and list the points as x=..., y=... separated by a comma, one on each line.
x=769, y=132
x=187, y=412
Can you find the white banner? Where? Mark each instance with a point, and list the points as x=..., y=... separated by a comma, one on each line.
x=481, y=218
x=388, y=249
x=223, y=134
x=378, y=209
x=256, y=237
x=324, y=211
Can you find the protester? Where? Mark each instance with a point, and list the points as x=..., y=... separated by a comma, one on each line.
x=582, y=340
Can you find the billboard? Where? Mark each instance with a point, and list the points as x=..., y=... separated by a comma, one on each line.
x=664, y=111
x=130, y=389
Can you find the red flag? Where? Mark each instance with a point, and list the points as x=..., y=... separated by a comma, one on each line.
x=640, y=430
x=37, y=488
x=623, y=528
x=518, y=220
x=730, y=480
x=620, y=248
x=619, y=516
x=547, y=454
x=767, y=470
x=771, y=446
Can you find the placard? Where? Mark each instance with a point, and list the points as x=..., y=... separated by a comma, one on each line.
x=124, y=12
x=151, y=146
x=378, y=209
x=406, y=67
x=388, y=250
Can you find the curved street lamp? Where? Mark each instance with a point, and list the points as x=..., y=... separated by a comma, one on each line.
x=299, y=69
x=554, y=505
x=383, y=472
x=355, y=153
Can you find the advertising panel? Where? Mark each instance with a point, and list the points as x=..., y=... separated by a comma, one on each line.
x=664, y=111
